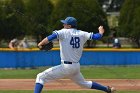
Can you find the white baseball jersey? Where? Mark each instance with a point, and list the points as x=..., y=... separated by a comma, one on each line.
x=71, y=43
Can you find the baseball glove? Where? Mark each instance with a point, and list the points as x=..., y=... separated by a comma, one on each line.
x=47, y=47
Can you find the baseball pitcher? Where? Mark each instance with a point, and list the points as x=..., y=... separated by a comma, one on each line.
x=71, y=43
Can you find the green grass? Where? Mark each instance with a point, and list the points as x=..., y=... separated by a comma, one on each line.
x=19, y=73
x=90, y=72
x=59, y=91
x=113, y=72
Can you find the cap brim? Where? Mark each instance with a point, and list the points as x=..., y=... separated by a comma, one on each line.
x=63, y=21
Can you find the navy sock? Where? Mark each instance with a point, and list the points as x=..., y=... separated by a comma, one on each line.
x=38, y=88
x=99, y=87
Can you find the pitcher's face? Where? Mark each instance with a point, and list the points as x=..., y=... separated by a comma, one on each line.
x=67, y=26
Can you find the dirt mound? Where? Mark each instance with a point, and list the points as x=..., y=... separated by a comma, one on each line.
x=65, y=84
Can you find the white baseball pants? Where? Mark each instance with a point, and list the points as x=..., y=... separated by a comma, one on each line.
x=70, y=71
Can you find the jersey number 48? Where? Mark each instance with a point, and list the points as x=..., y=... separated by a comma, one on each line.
x=75, y=42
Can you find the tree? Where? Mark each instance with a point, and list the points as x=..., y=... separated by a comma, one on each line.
x=88, y=13
x=129, y=20
x=111, y=5
x=11, y=22
x=1, y=20
x=38, y=14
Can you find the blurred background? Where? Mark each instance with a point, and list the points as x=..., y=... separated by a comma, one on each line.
x=24, y=23
x=32, y=20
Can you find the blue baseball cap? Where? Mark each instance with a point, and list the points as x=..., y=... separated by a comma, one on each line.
x=70, y=21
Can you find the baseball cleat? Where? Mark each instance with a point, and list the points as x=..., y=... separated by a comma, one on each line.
x=111, y=89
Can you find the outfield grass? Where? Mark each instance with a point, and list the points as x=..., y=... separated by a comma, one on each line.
x=118, y=72
x=58, y=91
x=90, y=72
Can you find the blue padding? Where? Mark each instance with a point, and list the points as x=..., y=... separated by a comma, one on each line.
x=14, y=59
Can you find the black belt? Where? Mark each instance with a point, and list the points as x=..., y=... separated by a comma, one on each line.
x=67, y=62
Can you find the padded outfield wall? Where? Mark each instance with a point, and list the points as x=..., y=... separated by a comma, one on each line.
x=35, y=58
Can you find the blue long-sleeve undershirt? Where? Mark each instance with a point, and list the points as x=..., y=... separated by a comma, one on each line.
x=96, y=36
x=52, y=37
